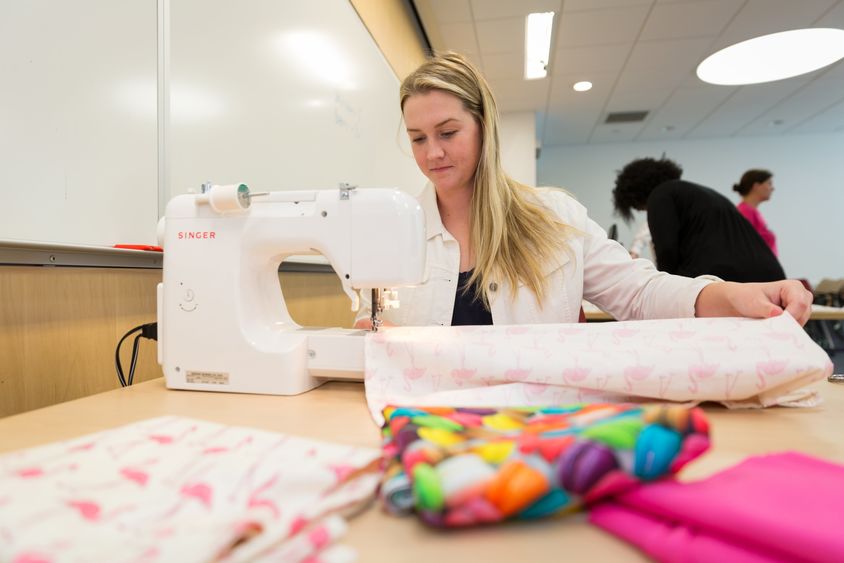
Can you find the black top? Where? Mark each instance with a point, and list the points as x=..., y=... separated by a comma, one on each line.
x=467, y=309
x=695, y=230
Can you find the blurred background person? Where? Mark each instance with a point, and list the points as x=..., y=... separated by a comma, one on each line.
x=755, y=187
x=641, y=242
x=694, y=229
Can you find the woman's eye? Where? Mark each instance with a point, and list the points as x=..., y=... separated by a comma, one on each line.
x=417, y=140
x=447, y=134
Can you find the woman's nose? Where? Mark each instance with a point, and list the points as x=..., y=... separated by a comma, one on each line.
x=435, y=151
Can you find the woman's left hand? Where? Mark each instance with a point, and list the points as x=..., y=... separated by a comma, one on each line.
x=755, y=300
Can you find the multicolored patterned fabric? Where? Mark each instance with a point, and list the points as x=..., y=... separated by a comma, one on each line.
x=466, y=466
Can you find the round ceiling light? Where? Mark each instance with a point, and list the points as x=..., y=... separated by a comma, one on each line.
x=773, y=57
x=582, y=86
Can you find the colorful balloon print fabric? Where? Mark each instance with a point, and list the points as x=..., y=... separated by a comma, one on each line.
x=737, y=362
x=458, y=467
x=180, y=489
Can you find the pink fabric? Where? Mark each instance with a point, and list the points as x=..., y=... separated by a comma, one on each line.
x=174, y=489
x=755, y=217
x=737, y=362
x=780, y=507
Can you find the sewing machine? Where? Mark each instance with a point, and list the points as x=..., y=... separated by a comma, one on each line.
x=222, y=321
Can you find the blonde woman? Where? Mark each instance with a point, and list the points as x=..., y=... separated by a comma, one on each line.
x=500, y=252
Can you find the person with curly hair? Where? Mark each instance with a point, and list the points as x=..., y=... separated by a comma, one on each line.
x=756, y=187
x=695, y=230
x=502, y=252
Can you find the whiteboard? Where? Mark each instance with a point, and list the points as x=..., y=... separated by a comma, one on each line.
x=282, y=95
x=275, y=94
x=78, y=126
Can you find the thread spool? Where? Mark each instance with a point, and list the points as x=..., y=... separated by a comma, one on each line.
x=229, y=198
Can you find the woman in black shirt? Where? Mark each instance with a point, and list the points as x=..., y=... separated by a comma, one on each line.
x=695, y=230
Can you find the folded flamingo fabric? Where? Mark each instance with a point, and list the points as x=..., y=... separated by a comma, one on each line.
x=458, y=467
x=779, y=507
x=178, y=489
x=737, y=362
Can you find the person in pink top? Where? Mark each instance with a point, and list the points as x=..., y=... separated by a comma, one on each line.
x=755, y=187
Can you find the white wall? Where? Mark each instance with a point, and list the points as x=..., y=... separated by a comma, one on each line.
x=518, y=146
x=805, y=211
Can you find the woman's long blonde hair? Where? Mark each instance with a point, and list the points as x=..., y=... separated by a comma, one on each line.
x=514, y=236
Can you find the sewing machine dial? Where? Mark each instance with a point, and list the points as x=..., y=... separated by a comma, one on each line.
x=187, y=303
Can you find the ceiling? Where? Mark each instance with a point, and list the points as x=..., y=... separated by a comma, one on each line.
x=642, y=55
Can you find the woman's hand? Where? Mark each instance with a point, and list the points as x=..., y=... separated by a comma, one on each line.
x=755, y=300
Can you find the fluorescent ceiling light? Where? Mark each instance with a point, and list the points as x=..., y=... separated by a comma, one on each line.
x=582, y=86
x=773, y=57
x=538, y=44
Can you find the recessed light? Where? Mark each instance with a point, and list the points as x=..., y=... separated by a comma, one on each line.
x=773, y=57
x=582, y=86
x=538, y=44
x=775, y=123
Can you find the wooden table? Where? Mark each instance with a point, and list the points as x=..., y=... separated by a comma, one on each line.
x=337, y=412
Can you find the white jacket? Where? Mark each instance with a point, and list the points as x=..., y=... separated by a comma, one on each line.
x=595, y=268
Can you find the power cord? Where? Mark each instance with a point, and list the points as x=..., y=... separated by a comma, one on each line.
x=150, y=331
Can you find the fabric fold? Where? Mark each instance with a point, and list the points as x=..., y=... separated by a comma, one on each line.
x=778, y=507
x=180, y=489
x=737, y=362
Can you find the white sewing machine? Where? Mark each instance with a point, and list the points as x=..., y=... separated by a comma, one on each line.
x=222, y=321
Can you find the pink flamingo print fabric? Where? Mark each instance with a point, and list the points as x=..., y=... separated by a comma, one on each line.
x=180, y=489
x=737, y=362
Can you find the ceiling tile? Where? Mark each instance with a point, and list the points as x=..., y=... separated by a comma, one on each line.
x=695, y=19
x=598, y=27
x=501, y=36
x=638, y=97
x=585, y=5
x=447, y=11
x=518, y=94
x=566, y=128
x=833, y=18
x=675, y=56
x=760, y=17
x=616, y=132
x=576, y=112
x=564, y=98
x=459, y=37
x=836, y=70
x=642, y=54
x=826, y=121
x=682, y=111
x=504, y=65
x=748, y=103
x=495, y=9
x=817, y=95
x=585, y=60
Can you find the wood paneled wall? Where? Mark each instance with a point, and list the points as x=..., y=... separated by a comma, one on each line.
x=390, y=23
x=59, y=327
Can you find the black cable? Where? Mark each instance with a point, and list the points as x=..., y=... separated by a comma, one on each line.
x=134, y=359
x=149, y=330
